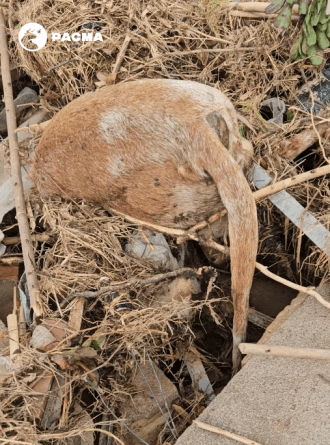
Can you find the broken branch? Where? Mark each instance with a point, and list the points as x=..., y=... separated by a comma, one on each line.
x=290, y=182
x=122, y=53
x=22, y=219
x=17, y=239
x=132, y=282
x=284, y=351
x=259, y=15
x=255, y=7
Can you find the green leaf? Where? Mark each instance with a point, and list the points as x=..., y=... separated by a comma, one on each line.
x=289, y=116
x=311, y=50
x=241, y=130
x=322, y=39
x=275, y=6
x=310, y=34
x=95, y=345
x=322, y=27
x=304, y=46
x=284, y=18
x=303, y=7
x=316, y=60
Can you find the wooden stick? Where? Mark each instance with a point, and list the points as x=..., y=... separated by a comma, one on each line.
x=286, y=183
x=4, y=5
x=295, y=286
x=23, y=224
x=284, y=351
x=259, y=15
x=8, y=241
x=217, y=430
x=122, y=53
x=256, y=7
x=13, y=334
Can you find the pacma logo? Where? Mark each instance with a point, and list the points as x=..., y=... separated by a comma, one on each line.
x=77, y=37
x=33, y=37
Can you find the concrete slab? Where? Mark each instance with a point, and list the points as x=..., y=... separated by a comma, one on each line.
x=275, y=400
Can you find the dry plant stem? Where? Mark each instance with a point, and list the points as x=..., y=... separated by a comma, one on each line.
x=315, y=129
x=285, y=351
x=65, y=435
x=132, y=282
x=259, y=15
x=286, y=183
x=265, y=271
x=62, y=63
x=17, y=239
x=4, y=5
x=217, y=430
x=23, y=224
x=206, y=50
x=297, y=287
x=256, y=7
x=122, y=53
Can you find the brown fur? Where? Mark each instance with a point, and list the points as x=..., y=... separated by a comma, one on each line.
x=162, y=151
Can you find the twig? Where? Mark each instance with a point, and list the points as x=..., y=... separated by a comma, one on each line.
x=62, y=63
x=132, y=282
x=217, y=430
x=23, y=224
x=265, y=271
x=17, y=239
x=259, y=15
x=4, y=5
x=68, y=61
x=286, y=183
x=256, y=7
x=207, y=50
x=122, y=52
x=297, y=287
x=284, y=351
x=317, y=133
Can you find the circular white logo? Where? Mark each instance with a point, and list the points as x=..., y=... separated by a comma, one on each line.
x=36, y=36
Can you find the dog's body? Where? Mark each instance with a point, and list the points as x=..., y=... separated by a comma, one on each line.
x=166, y=152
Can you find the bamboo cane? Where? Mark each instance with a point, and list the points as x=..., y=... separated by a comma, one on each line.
x=285, y=351
x=23, y=224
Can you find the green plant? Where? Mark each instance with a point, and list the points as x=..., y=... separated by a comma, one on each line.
x=315, y=35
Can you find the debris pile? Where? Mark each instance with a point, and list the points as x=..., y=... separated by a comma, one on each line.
x=135, y=337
